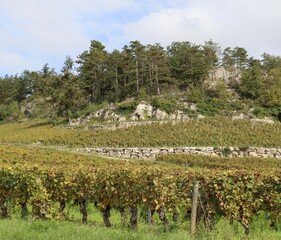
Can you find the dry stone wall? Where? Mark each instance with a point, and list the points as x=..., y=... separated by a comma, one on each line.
x=151, y=153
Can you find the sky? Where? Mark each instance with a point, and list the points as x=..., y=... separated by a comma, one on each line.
x=35, y=32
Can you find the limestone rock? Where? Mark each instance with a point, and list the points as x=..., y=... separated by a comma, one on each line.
x=160, y=115
x=263, y=120
x=143, y=111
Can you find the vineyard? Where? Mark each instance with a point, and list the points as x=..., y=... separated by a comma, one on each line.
x=203, y=132
x=47, y=181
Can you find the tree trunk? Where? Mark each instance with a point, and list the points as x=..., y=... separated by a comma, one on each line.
x=123, y=216
x=83, y=210
x=162, y=216
x=105, y=215
x=116, y=83
x=137, y=76
x=175, y=217
x=24, y=211
x=4, y=209
x=62, y=207
x=157, y=80
x=134, y=217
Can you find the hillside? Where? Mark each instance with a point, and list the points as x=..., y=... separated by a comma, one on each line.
x=180, y=81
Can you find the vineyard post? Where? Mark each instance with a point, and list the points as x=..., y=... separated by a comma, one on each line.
x=194, y=208
x=149, y=216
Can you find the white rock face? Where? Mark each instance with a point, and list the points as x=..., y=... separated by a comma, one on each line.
x=225, y=75
x=241, y=116
x=264, y=120
x=193, y=107
x=160, y=115
x=143, y=110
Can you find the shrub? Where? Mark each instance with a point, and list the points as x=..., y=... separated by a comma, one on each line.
x=126, y=108
x=167, y=105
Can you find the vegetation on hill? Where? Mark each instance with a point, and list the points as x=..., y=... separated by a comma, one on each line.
x=143, y=72
x=221, y=132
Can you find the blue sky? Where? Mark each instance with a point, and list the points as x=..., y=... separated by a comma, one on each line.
x=35, y=32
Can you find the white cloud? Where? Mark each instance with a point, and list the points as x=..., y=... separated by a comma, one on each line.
x=11, y=62
x=40, y=31
x=252, y=24
x=36, y=31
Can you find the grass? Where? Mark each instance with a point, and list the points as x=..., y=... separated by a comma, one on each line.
x=17, y=229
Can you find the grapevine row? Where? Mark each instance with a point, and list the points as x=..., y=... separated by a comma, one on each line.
x=237, y=194
x=203, y=132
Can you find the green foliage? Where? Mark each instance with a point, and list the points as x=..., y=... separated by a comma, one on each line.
x=139, y=71
x=126, y=108
x=260, y=112
x=188, y=63
x=271, y=93
x=142, y=94
x=252, y=82
x=11, y=110
x=168, y=105
x=211, y=100
x=217, y=131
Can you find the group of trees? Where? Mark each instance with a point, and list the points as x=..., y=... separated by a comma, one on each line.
x=140, y=70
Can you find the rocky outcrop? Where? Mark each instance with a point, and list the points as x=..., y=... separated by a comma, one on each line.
x=146, y=111
x=151, y=153
x=227, y=76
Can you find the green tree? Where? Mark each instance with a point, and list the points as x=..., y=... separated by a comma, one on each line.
x=252, y=82
x=43, y=85
x=187, y=63
x=114, y=74
x=92, y=66
x=27, y=82
x=9, y=88
x=68, y=95
x=228, y=60
x=137, y=51
x=240, y=57
x=212, y=52
x=271, y=93
x=270, y=62
x=158, y=67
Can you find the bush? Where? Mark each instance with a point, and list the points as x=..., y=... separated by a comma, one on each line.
x=260, y=112
x=126, y=108
x=11, y=110
x=167, y=105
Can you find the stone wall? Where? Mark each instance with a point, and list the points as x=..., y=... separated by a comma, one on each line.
x=151, y=153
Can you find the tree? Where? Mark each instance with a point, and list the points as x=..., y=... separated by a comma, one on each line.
x=137, y=51
x=114, y=73
x=228, y=60
x=270, y=62
x=9, y=89
x=68, y=95
x=92, y=66
x=43, y=85
x=271, y=93
x=27, y=83
x=187, y=63
x=252, y=82
x=212, y=52
x=240, y=57
x=158, y=66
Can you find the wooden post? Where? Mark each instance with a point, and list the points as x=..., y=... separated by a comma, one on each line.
x=194, y=208
x=149, y=216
